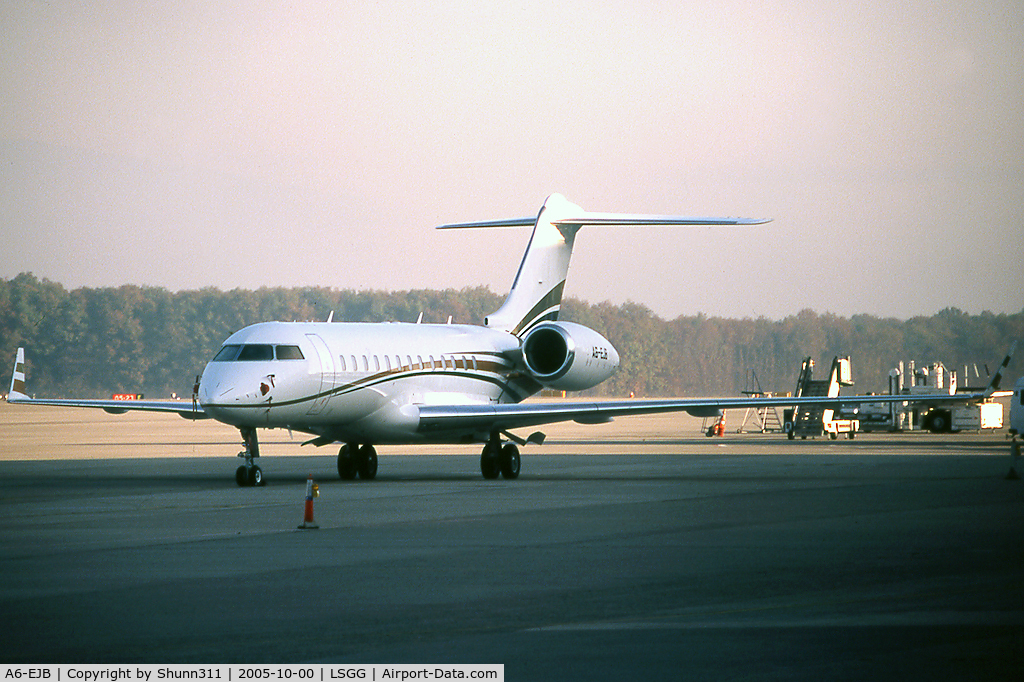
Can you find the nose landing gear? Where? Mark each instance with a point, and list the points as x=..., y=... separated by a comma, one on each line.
x=249, y=474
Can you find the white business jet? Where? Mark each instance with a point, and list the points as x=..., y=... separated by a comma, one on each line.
x=366, y=384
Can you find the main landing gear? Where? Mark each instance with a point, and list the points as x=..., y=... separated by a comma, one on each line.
x=249, y=474
x=498, y=459
x=356, y=460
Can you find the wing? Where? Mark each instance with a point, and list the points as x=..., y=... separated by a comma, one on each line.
x=18, y=396
x=487, y=418
x=482, y=419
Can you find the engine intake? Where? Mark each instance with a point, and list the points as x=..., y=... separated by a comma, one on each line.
x=568, y=356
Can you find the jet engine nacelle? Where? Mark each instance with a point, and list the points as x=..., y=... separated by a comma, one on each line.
x=567, y=356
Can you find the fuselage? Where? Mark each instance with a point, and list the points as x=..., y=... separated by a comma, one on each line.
x=358, y=382
x=1017, y=408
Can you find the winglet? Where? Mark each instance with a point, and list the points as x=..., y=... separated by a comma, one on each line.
x=18, y=379
x=997, y=378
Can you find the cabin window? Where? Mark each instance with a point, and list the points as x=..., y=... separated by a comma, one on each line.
x=227, y=353
x=342, y=359
x=366, y=364
x=387, y=362
x=419, y=361
x=376, y=364
x=355, y=365
x=398, y=362
x=256, y=352
x=289, y=353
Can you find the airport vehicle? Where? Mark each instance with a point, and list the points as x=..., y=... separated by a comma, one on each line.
x=367, y=384
x=815, y=420
x=936, y=378
x=933, y=379
x=1017, y=408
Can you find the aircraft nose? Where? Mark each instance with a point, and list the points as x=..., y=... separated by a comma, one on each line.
x=204, y=393
x=212, y=388
x=231, y=387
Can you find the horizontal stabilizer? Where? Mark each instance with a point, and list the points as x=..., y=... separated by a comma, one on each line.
x=610, y=219
x=511, y=222
x=622, y=219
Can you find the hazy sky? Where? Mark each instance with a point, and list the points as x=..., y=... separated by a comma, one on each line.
x=239, y=144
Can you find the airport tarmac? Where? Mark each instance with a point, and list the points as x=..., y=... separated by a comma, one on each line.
x=634, y=550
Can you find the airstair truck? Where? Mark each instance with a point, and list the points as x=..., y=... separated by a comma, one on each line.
x=817, y=421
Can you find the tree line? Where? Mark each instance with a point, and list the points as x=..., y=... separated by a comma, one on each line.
x=92, y=342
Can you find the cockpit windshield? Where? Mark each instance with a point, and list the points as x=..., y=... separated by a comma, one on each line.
x=257, y=352
x=226, y=354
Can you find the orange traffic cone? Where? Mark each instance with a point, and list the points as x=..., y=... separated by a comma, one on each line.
x=308, y=522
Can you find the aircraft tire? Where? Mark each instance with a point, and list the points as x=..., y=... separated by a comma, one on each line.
x=255, y=476
x=348, y=467
x=367, y=462
x=490, y=464
x=940, y=422
x=241, y=477
x=510, y=462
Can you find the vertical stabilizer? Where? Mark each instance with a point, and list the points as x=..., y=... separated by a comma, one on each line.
x=18, y=377
x=536, y=293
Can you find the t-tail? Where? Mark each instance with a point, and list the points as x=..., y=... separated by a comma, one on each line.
x=536, y=294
